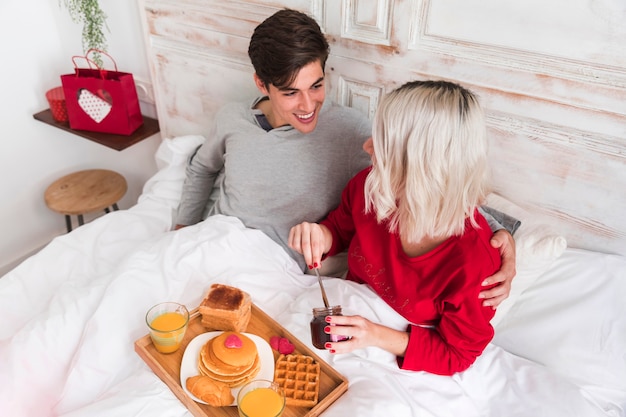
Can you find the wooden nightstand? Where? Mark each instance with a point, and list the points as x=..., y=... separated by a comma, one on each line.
x=85, y=192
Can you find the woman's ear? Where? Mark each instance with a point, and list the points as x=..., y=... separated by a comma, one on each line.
x=260, y=85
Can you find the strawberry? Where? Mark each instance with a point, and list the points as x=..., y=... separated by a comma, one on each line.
x=285, y=347
x=233, y=342
x=282, y=345
x=274, y=340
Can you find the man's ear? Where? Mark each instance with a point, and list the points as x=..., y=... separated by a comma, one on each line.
x=260, y=85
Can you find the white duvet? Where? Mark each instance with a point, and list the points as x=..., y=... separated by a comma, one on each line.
x=71, y=314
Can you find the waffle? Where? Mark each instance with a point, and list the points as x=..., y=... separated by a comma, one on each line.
x=299, y=377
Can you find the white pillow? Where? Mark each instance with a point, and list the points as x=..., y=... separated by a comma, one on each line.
x=177, y=151
x=171, y=158
x=537, y=246
x=573, y=321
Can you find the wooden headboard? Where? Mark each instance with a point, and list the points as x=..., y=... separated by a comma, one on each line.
x=552, y=76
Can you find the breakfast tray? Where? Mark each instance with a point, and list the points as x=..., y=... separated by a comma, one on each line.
x=167, y=367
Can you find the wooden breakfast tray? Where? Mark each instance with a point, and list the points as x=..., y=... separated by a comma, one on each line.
x=167, y=367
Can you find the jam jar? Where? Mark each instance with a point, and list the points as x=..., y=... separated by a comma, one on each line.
x=318, y=336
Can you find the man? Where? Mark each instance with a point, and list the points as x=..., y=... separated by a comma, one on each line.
x=285, y=157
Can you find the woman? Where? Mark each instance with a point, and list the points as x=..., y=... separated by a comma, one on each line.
x=413, y=230
x=287, y=155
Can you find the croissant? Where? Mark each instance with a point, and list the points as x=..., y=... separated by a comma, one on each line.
x=212, y=392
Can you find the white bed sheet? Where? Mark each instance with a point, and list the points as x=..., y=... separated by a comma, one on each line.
x=71, y=314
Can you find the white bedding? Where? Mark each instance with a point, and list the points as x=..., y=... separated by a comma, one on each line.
x=71, y=313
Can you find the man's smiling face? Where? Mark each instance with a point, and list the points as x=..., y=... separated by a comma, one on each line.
x=299, y=104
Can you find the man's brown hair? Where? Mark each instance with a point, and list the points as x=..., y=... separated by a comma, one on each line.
x=284, y=43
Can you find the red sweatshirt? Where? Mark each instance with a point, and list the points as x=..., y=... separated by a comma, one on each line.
x=437, y=292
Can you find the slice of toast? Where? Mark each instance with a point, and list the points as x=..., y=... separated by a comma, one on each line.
x=226, y=308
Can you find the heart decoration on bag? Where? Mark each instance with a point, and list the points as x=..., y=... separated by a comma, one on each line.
x=94, y=105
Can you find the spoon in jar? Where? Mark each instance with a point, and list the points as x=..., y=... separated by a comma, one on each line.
x=319, y=280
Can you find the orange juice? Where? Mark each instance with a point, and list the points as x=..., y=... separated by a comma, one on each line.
x=167, y=331
x=168, y=322
x=261, y=402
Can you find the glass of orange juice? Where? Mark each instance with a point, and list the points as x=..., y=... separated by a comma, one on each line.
x=261, y=398
x=167, y=323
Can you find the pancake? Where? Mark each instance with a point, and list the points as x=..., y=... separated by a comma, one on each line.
x=214, y=365
x=244, y=351
x=237, y=357
x=231, y=380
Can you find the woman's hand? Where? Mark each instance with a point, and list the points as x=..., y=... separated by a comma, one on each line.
x=311, y=240
x=363, y=333
x=503, y=241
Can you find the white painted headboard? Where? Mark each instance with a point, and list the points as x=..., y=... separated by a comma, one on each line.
x=552, y=76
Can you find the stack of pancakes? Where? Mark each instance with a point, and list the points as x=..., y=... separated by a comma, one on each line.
x=228, y=364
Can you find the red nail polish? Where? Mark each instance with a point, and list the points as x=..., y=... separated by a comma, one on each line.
x=327, y=345
x=328, y=319
x=315, y=265
x=310, y=266
x=332, y=351
x=326, y=329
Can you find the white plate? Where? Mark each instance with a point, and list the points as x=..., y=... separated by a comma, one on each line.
x=189, y=365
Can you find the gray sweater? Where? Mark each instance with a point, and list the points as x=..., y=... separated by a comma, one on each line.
x=273, y=180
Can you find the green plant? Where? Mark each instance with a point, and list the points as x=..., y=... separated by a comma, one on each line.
x=90, y=15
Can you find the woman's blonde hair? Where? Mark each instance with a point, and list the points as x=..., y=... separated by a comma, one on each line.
x=430, y=160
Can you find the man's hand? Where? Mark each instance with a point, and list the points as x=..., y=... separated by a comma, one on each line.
x=503, y=241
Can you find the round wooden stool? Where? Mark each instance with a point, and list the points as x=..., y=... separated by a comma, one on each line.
x=85, y=192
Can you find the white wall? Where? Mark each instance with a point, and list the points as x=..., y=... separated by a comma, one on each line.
x=38, y=41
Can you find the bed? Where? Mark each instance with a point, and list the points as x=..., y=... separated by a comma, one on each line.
x=72, y=312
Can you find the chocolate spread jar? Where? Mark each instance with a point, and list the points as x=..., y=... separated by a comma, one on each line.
x=318, y=336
